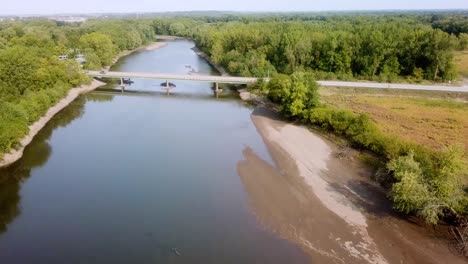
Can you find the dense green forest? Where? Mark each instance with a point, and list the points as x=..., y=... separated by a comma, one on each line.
x=383, y=48
x=294, y=49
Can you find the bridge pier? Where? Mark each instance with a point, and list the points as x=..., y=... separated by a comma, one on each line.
x=168, y=88
x=122, y=86
x=182, y=77
x=217, y=90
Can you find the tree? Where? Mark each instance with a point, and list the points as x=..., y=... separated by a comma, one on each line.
x=439, y=51
x=18, y=66
x=410, y=192
x=463, y=41
x=294, y=93
x=432, y=193
x=100, y=44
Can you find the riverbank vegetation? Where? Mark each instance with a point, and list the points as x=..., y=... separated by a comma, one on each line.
x=429, y=182
x=425, y=170
x=434, y=121
x=426, y=177
x=33, y=77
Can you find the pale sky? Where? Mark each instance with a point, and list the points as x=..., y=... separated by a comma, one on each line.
x=9, y=7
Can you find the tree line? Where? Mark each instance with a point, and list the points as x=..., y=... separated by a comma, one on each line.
x=33, y=77
x=373, y=48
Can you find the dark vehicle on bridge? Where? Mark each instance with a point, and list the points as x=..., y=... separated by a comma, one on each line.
x=127, y=81
x=164, y=84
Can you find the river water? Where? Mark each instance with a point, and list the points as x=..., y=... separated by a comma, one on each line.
x=140, y=177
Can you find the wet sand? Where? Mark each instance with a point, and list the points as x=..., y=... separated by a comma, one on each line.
x=329, y=206
x=15, y=155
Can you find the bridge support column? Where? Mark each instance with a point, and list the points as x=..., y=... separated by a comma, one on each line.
x=122, y=86
x=217, y=90
x=168, y=88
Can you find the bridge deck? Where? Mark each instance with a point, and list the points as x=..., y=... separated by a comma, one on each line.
x=246, y=80
x=182, y=77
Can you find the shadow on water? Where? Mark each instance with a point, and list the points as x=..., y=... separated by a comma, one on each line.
x=225, y=95
x=35, y=155
x=267, y=112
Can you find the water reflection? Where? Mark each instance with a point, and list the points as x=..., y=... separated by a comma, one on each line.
x=225, y=95
x=36, y=155
x=138, y=179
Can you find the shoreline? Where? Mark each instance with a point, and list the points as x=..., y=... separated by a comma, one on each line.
x=207, y=58
x=312, y=214
x=329, y=206
x=16, y=154
x=151, y=46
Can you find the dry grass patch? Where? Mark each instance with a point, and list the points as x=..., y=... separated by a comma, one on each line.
x=431, y=119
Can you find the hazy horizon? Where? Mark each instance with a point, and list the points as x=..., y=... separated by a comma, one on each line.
x=51, y=7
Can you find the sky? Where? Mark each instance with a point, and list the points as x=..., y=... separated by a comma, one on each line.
x=21, y=7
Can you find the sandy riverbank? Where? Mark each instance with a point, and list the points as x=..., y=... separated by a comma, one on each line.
x=152, y=46
x=15, y=155
x=168, y=37
x=326, y=205
x=155, y=46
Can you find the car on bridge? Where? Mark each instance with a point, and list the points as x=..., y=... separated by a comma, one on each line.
x=164, y=84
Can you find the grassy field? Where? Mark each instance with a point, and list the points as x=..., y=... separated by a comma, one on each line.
x=433, y=119
x=461, y=61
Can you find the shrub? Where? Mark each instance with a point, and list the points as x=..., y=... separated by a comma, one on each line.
x=432, y=193
x=294, y=93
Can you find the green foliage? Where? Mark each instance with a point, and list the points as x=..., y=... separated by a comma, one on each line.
x=382, y=48
x=423, y=183
x=418, y=74
x=453, y=24
x=32, y=78
x=409, y=193
x=431, y=194
x=100, y=45
x=430, y=185
x=359, y=129
x=125, y=34
x=294, y=93
x=463, y=41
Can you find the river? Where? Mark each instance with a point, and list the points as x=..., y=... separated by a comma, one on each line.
x=139, y=177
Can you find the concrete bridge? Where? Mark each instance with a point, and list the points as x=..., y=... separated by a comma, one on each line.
x=180, y=77
x=247, y=80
